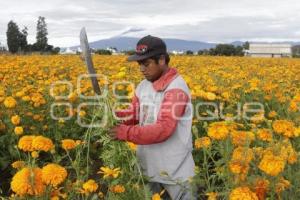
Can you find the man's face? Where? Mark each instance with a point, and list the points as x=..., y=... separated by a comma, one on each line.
x=150, y=69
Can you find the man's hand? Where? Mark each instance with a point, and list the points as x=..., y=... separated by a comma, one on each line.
x=113, y=133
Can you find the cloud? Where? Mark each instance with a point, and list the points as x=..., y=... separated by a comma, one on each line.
x=214, y=20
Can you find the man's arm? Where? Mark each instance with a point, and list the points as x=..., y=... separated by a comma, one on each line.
x=131, y=114
x=172, y=107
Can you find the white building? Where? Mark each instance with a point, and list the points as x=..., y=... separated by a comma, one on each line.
x=68, y=51
x=269, y=50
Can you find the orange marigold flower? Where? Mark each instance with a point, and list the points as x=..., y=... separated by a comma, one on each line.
x=242, y=193
x=68, y=144
x=203, y=142
x=218, y=130
x=241, y=138
x=19, y=130
x=284, y=127
x=18, y=164
x=28, y=181
x=10, y=102
x=42, y=143
x=90, y=186
x=117, y=189
x=271, y=164
x=25, y=143
x=53, y=174
x=265, y=135
x=132, y=146
x=243, y=154
x=15, y=120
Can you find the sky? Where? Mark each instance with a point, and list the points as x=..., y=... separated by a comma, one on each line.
x=209, y=21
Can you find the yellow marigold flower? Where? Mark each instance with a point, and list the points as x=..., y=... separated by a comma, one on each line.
x=18, y=164
x=28, y=181
x=272, y=114
x=284, y=127
x=210, y=96
x=265, y=135
x=53, y=174
x=157, y=196
x=218, y=131
x=19, y=130
x=10, y=102
x=15, y=120
x=243, y=154
x=117, y=189
x=109, y=172
x=42, y=143
x=90, y=186
x=241, y=138
x=132, y=146
x=238, y=167
x=34, y=154
x=293, y=106
x=203, y=142
x=72, y=97
x=25, y=143
x=271, y=164
x=82, y=113
x=242, y=193
x=68, y=144
x=211, y=195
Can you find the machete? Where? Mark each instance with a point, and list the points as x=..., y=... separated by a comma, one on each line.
x=86, y=55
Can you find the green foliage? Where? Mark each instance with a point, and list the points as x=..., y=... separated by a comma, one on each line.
x=103, y=52
x=41, y=35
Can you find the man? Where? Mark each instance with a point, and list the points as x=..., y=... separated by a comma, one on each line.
x=160, y=120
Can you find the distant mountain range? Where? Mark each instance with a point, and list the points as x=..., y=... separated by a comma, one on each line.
x=128, y=43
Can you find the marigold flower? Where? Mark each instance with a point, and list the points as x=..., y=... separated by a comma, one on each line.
x=284, y=127
x=34, y=154
x=109, y=172
x=90, y=186
x=19, y=130
x=10, y=102
x=243, y=154
x=68, y=144
x=28, y=181
x=211, y=195
x=53, y=174
x=218, y=130
x=271, y=164
x=42, y=143
x=117, y=189
x=132, y=146
x=241, y=138
x=18, y=164
x=25, y=143
x=203, y=142
x=264, y=135
x=15, y=120
x=242, y=193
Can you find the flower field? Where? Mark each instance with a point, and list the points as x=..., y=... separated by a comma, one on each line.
x=246, y=128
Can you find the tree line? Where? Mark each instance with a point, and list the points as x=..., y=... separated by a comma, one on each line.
x=17, y=39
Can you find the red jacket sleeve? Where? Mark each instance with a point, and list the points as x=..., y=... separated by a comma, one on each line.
x=172, y=108
x=131, y=114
